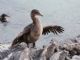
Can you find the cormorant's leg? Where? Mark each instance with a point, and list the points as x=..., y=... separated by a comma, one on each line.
x=47, y=58
x=28, y=45
x=33, y=45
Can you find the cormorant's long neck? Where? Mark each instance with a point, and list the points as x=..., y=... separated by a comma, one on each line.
x=35, y=19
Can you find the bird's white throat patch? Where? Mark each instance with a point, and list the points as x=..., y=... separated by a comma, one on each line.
x=37, y=16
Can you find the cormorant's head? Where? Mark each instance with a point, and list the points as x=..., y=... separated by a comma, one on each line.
x=36, y=12
x=4, y=15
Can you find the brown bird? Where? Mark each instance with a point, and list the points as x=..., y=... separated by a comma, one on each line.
x=3, y=18
x=32, y=32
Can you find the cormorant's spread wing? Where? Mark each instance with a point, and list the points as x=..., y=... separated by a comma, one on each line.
x=19, y=38
x=26, y=30
x=55, y=29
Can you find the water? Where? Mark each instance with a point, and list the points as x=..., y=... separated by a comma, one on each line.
x=65, y=13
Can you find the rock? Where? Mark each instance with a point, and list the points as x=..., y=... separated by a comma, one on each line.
x=51, y=52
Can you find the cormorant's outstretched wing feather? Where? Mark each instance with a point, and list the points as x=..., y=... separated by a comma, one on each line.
x=19, y=38
x=55, y=29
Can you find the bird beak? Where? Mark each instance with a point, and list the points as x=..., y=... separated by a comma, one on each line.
x=40, y=14
x=7, y=16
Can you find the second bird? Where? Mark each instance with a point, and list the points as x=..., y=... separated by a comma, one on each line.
x=3, y=18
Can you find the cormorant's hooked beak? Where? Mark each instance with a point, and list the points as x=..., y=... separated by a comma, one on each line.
x=7, y=16
x=40, y=14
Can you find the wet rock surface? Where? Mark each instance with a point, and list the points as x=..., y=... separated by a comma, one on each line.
x=53, y=51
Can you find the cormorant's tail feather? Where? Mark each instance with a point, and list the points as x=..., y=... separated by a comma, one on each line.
x=15, y=41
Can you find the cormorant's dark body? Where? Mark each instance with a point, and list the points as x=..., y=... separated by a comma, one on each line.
x=32, y=32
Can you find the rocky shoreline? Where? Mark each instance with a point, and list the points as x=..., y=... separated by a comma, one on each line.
x=54, y=51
